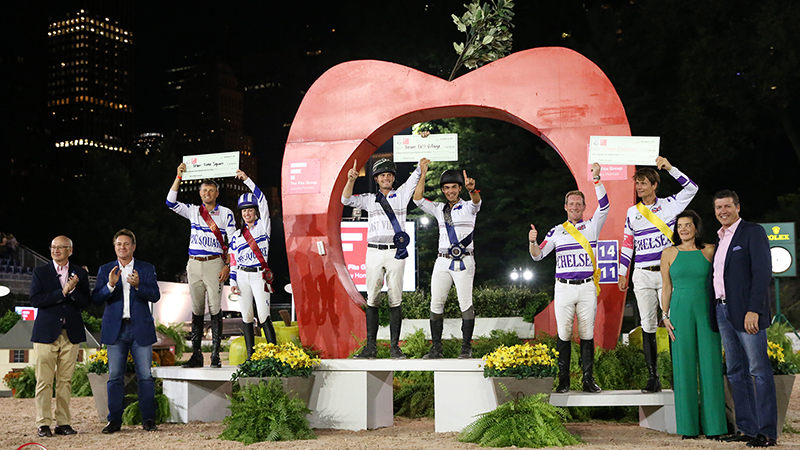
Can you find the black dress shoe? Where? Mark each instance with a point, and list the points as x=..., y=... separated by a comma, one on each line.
x=45, y=432
x=762, y=441
x=684, y=437
x=738, y=437
x=65, y=430
x=112, y=427
x=149, y=425
x=715, y=437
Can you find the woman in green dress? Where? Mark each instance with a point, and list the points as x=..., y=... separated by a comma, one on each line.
x=684, y=300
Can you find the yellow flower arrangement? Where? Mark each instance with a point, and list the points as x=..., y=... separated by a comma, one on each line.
x=521, y=361
x=272, y=360
x=780, y=365
x=98, y=362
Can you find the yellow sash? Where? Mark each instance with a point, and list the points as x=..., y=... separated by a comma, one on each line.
x=655, y=220
x=588, y=248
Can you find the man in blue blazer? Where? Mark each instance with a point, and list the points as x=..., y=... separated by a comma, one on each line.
x=59, y=290
x=741, y=274
x=128, y=287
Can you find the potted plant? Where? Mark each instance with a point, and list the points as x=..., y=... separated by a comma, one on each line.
x=785, y=367
x=11, y=379
x=520, y=370
x=292, y=364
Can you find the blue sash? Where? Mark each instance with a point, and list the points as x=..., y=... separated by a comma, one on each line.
x=457, y=249
x=401, y=238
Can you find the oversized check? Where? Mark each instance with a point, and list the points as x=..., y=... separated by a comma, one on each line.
x=211, y=165
x=436, y=147
x=628, y=150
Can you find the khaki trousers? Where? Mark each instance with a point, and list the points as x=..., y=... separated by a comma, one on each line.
x=54, y=361
x=203, y=277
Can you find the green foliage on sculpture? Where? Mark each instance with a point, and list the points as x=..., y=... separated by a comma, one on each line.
x=488, y=33
x=528, y=422
x=262, y=412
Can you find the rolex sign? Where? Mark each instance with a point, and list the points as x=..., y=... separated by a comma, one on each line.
x=782, y=248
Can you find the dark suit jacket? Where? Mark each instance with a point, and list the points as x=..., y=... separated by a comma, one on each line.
x=144, y=329
x=55, y=310
x=748, y=271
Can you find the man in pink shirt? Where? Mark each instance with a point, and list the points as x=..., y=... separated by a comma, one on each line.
x=741, y=274
x=60, y=290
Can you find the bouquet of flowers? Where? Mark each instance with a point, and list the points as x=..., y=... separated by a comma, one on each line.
x=780, y=364
x=272, y=360
x=521, y=361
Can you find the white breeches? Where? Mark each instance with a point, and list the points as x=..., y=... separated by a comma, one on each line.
x=575, y=300
x=380, y=262
x=251, y=286
x=647, y=289
x=443, y=278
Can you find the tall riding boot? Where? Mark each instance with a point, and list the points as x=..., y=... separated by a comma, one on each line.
x=564, y=349
x=650, y=347
x=249, y=338
x=587, y=361
x=216, y=339
x=269, y=330
x=467, y=328
x=370, y=351
x=437, y=325
x=395, y=321
x=197, y=336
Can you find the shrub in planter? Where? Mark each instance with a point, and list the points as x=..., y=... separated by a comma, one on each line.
x=26, y=383
x=272, y=360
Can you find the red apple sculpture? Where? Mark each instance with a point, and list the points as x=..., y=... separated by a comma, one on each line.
x=355, y=107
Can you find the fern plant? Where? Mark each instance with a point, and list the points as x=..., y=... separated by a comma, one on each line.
x=413, y=394
x=132, y=415
x=416, y=345
x=262, y=412
x=174, y=331
x=80, y=381
x=528, y=422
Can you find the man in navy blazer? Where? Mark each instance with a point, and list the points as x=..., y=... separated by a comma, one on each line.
x=742, y=270
x=59, y=290
x=128, y=287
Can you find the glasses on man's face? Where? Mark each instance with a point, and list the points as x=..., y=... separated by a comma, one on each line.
x=60, y=247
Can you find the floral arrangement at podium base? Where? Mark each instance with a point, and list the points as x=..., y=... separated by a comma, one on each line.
x=292, y=364
x=97, y=373
x=521, y=370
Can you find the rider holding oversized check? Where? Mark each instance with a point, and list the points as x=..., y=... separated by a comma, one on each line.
x=647, y=233
x=386, y=246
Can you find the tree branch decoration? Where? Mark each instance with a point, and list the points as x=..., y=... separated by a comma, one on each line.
x=488, y=33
